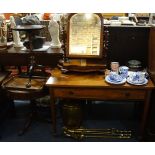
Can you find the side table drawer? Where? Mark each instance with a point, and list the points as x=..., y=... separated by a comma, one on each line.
x=105, y=94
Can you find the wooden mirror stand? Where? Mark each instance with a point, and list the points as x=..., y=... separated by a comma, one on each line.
x=84, y=50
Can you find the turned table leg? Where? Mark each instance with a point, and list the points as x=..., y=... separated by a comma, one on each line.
x=53, y=110
x=145, y=113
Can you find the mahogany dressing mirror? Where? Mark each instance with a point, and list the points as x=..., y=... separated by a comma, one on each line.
x=85, y=36
x=84, y=46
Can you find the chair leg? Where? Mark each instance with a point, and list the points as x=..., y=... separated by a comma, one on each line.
x=26, y=126
x=31, y=117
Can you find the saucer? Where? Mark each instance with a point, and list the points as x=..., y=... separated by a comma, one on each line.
x=138, y=84
x=107, y=79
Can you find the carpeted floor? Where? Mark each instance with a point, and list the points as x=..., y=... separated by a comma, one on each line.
x=117, y=115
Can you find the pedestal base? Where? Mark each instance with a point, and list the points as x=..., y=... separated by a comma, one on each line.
x=18, y=45
x=55, y=46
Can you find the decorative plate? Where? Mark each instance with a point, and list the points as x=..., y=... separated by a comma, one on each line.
x=138, y=84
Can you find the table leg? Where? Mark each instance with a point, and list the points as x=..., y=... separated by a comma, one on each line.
x=145, y=113
x=53, y=110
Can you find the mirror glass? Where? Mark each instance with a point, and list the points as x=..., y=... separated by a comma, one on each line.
x=84, y=40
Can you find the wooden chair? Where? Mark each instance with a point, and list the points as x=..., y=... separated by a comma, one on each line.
x=16, y=89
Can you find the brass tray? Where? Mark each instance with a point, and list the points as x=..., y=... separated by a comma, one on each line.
x=4, y=75
x=19, y=83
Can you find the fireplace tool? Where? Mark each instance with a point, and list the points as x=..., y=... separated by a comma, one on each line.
x=81, y=133
x=72, y=118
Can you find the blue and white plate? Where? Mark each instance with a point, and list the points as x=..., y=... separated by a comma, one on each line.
x=135, y=83
x=107, y=79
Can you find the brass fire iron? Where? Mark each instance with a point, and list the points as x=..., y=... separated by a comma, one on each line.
x=81, y=133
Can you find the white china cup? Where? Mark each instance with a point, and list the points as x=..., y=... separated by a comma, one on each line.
x=123, y=70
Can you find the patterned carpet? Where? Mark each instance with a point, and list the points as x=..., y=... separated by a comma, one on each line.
x=117, y=115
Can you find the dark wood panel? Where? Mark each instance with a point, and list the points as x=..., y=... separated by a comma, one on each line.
x=151, y=64
x=150, y=134
x=18, y=57
x=126, y=43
